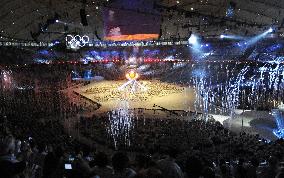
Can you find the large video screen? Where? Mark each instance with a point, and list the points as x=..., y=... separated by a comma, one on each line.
x=131, y=20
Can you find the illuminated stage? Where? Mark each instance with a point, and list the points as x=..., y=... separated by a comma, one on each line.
x=109, y=95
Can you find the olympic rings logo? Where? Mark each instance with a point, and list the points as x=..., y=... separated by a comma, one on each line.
x=77, y=41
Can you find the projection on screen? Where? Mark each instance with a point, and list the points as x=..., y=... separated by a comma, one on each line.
x=129, y=24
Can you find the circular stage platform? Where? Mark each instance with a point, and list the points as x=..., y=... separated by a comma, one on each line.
x=112, y=95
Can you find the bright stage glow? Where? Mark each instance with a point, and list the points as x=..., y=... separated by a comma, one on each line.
x=193, y=39
x=132, y=75
x=279, y=131
x=234, y=37
x=198, y=50
x=132, y=85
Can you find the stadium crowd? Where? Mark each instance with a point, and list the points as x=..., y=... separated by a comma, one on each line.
x=34, y=142
x=234, y=156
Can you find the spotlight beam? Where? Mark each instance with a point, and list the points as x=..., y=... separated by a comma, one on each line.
x=234, y=37
x=133, y=86
x=141, y=86
x=124, y=85
x=259, y=37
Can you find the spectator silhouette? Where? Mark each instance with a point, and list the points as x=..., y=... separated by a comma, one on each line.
x=120, y=163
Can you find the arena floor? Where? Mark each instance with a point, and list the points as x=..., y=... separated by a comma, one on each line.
x=108, y=95
x=171, y=97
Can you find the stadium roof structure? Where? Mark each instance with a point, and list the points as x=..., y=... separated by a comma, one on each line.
x=23, y=19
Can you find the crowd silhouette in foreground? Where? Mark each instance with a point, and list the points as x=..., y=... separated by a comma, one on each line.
x=29, y=159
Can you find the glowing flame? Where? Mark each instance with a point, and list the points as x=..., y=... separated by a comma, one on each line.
x=132, y=75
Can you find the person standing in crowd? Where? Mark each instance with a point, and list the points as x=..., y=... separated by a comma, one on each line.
x=270, y=171
x=120, y=163
x=53, y=163
x=194, y=167
x=102, y=169
x=9, y=165
x=38, y=159
x=151, y=171
x=169, y=167
x=252, y=168
x=240, y=171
